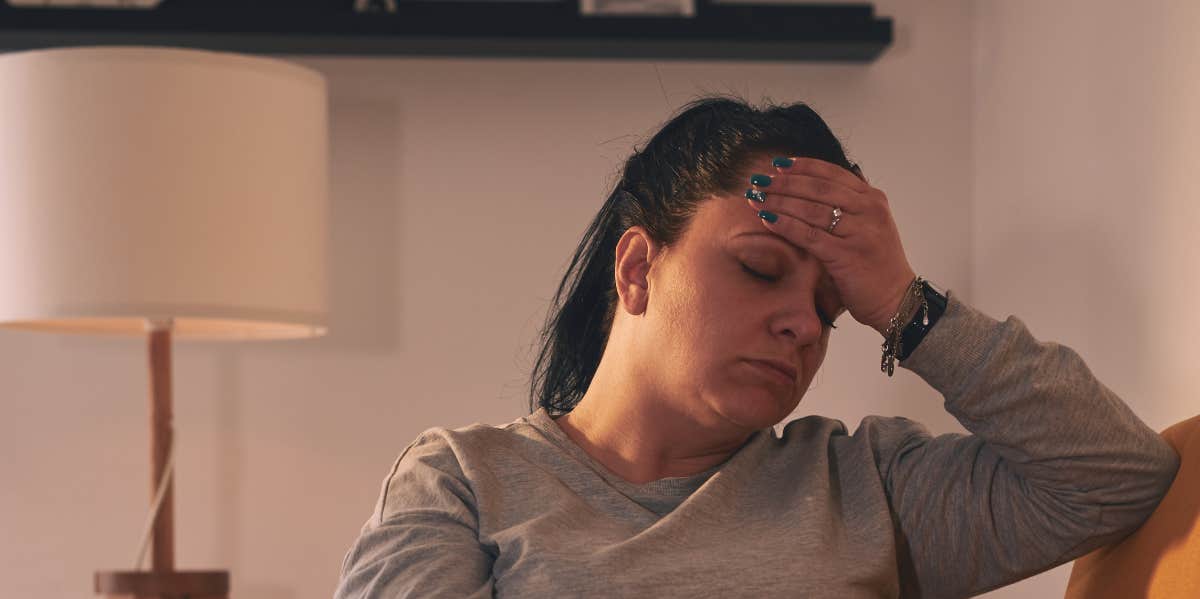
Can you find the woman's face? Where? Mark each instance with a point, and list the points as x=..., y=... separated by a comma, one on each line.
x=711, y=317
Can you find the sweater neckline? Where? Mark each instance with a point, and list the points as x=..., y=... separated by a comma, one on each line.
x=671, y=486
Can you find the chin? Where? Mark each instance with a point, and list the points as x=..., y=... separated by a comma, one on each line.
x=755, y=409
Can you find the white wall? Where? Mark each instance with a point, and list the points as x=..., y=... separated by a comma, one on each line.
x=1086, y=140
x=460, y=187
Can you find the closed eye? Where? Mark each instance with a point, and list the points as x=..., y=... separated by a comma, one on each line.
x=769, y=279
x=759, y=275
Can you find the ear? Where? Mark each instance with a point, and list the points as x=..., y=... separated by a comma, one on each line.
x=635, y=255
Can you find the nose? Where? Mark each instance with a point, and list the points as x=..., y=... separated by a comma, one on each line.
x=800, y=324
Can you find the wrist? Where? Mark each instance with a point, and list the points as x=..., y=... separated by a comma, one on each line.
x=905, y=331
x=901, y=303
x=934, y=302
x=914, y=294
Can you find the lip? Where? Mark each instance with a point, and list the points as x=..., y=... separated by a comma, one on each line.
x=783, y=369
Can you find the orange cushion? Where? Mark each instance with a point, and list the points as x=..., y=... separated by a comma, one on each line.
x=1161, y=559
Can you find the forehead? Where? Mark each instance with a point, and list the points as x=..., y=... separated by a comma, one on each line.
x=725, y=217
x=726, y=222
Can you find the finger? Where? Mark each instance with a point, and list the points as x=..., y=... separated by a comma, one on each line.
x=823, y=169
x=825, y=247
x=812, y=188
x=813, y=213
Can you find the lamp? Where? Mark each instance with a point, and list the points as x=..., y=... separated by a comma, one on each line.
x=165, y=193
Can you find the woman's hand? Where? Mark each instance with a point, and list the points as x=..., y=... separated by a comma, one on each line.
x=862, y=255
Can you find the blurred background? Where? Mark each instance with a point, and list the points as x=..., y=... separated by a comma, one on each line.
x=1037, y=157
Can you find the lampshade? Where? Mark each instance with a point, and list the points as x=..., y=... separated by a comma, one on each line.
x=145, y=183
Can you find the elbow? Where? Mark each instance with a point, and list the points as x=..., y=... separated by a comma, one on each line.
x=1154, y=484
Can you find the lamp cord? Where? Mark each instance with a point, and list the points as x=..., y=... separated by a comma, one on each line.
x=148, y=530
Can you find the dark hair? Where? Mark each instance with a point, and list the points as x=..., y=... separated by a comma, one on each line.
x=700, y=151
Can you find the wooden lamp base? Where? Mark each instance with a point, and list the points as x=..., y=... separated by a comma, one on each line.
x=210, y=584
x=162, y=580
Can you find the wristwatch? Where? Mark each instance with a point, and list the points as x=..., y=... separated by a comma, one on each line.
x=922, y=321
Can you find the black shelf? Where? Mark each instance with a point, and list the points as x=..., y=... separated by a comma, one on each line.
x=799, y=32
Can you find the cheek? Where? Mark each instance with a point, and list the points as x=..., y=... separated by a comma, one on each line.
x=698, y=321
x=698, y=334
x=679, y=323
x=698, y=307
x=815, y=356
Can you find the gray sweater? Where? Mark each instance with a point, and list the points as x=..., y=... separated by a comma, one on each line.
x=1057, y=465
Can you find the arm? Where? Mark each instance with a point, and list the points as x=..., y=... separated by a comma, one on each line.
x=1057, y=465
x=422, y=540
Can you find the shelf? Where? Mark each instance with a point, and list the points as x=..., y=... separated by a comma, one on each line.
x=548, y=29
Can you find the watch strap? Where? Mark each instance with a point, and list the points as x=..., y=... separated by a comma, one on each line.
x=923, y=320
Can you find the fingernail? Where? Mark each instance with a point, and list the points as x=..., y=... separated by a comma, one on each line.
x=768, y=216
x=760, y=180
x=756, y=195
x=782, y=162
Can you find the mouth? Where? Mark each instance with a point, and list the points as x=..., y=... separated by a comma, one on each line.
x=779, y=370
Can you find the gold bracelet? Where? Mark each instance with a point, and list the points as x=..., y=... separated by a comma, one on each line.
x=914, y=299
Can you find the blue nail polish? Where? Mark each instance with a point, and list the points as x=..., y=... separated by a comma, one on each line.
x=783, y=162
x=768, y=216
x=760, y=180
x=756, y=195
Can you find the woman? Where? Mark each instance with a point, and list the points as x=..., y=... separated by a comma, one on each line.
x=696, y=312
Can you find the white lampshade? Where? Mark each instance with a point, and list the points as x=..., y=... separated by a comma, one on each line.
x=162, y=183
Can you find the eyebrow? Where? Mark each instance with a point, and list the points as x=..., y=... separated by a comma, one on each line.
x=770, y=235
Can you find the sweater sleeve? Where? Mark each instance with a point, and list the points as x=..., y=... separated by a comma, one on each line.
x=1057, y=464
x=422, y=539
